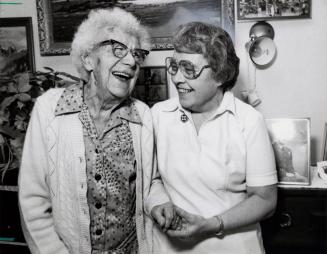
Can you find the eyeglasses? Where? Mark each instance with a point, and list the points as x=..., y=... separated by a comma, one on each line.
x=187, y=68
x=120, y=50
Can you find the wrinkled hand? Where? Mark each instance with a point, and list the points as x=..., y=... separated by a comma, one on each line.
x=165, y=216
x=191, y=226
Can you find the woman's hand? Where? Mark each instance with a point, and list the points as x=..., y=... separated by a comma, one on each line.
x=192, y=226
x=165, y=216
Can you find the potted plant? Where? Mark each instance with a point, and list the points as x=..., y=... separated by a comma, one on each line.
x=18, y=93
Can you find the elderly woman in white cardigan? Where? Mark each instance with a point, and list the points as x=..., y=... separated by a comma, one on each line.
x=88, y=153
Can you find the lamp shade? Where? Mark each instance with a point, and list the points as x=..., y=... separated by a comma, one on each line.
x=261, y=47
x=262, y=51
x=262, y=29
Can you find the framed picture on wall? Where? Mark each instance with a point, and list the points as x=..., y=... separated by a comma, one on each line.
x=273, y=9
x=58, y=20
x=151, y=86
x=324, y=142
x=291, y=143
x=16, y=46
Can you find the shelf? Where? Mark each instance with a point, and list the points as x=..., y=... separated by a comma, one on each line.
x=9, y=188
x=13, y=243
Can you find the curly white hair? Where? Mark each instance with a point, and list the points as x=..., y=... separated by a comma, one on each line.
x=91, y=32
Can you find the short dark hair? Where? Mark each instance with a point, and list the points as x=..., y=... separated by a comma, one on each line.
x=215, y=45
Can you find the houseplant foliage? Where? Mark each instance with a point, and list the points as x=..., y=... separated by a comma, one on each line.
x=18, y=93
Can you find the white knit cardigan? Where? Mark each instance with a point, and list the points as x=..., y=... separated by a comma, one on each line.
x=52, y=180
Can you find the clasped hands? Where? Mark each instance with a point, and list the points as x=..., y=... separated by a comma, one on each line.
x=178, y=223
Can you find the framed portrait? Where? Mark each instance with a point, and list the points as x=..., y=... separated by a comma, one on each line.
x=16, y=46
x=59, y=19
x=273, y=9
x=290, y=139
x=324, y=142
x=151, y=86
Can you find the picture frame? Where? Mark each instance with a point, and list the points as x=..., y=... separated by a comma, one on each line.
x=16, y=46
x=324, y=142
x=58, y=20
x=290, y=139
x=151, y=85
x=249, y=10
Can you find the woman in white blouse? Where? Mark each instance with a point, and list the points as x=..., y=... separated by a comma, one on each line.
x=216, y=175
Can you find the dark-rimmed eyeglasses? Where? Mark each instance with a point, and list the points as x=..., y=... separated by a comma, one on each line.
x=120, y=50
x=187, y=68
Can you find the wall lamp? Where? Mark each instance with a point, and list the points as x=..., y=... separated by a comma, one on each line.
x=262, y=51
x=261, y=47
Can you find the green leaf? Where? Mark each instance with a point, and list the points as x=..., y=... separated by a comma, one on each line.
x=7, y=101
x=48, y=68
x=9, y=131
x=23, y=83
x=24, y=97
x=20, y=124
x=3, y=88
x=4, y=116
x=12, y=88
x=20, y=105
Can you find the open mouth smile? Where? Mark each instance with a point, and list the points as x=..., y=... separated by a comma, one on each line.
x=122, y=75
x=184, y=90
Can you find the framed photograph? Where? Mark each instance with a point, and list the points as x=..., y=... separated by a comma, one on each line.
x=58, y=19
x=273, y=9
x=291, y=143
x=324, y=142
x=16, y=46
x=151, y=86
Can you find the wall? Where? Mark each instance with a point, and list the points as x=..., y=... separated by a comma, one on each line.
x=294, y=86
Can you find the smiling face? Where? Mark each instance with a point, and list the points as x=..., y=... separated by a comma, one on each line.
x=115, y=77
x=197, y=95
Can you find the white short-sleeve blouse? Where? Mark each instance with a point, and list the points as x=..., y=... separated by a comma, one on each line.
x=206, y=173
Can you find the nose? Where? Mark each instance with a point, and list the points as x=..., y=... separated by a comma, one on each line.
x=178, y=77
x=129, y=59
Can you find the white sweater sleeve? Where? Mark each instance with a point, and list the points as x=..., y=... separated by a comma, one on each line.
x=34, y=193
x=157, y=194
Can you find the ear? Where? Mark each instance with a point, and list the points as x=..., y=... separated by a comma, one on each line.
x=88, y=62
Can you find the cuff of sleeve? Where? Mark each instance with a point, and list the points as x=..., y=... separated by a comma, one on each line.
x=156, y=197
x=262, y=180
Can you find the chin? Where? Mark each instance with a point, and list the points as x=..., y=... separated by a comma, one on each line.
x=186, y=104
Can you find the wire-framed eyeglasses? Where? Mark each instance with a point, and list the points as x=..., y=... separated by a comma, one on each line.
x=120, y=50
x=187, y=68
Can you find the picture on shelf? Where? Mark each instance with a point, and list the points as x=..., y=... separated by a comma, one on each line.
x=151, y=85
x=324, y=141
x=291, y=143
x=273, y=9
x=57, y=20
x=16, y=46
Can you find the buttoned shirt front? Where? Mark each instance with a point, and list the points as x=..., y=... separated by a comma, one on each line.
x=206, y=173
x=110, y=164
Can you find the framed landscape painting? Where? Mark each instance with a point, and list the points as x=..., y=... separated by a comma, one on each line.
x=290, y=139
x=58, y=19
x=273, y=9
x=16, y=46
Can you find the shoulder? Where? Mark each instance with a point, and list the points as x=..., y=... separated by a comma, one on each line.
x=49, y=100
x=165, y=106
x=246, y=113
x=248, y=117
x=141, y=107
